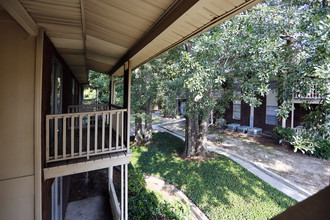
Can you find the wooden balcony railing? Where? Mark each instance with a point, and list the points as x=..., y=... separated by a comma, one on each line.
x=87, y=108
x=311, y=95
x=85, y=134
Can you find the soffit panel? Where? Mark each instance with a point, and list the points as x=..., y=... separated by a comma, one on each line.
x=98, y=34
x=198, y=18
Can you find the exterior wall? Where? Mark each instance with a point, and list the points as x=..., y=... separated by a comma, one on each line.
x=245, y=115
x=17, y=77
x=49, y=53
x=260, y=117
x=299, y=114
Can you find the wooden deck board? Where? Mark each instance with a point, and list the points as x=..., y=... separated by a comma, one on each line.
x=64, y=168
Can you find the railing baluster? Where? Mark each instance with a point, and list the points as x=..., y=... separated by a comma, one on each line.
x=56, y=138
x=103, y=131
x=110, y=131
x=64, y=137
x=117, y=129
x=72, y=136
x=80, y=134
x=81, y=147
x=47, y=139
x=88, y=133
x=96, y=129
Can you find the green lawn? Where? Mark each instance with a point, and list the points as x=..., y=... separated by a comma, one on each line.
x=220, y=187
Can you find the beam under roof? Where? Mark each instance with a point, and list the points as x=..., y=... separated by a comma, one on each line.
x=176, y=11
x=18, y=12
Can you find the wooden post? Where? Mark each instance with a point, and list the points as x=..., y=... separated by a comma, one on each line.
x=292, y=116
x=122, y=192
x=127, y=101
x=110, y=177
x=126, y=191
x=112, y=93
x=37, y=127
x=283, y=122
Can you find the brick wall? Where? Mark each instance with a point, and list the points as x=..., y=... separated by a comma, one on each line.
x=260, y=116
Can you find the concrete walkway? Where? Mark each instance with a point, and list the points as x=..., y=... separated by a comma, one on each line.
x=92, y=208
x=273, y=179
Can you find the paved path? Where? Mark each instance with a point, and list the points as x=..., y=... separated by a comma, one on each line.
x=92, y=208
x=273, y=179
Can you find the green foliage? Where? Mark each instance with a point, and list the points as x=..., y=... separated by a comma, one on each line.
x=322, y=149
x=303, y=142
x=145, y=204
x=220, y=187
x=284, y=133
x=100, y=82
x=119, y=91
x=311, y=145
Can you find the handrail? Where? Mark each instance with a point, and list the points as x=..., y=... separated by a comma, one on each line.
x=116, y=106
x=312, y=94
x=87, y=108
x=84, y=134
x=52, y=116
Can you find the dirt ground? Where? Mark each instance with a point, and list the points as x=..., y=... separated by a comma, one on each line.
x=309, y=173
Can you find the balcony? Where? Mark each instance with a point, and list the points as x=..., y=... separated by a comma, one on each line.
x=312, y=96
x=87, y=138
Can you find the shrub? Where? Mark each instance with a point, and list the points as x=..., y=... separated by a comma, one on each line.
x=322, y=148
x=145, y=204
x=284, y=133
x=311, y=145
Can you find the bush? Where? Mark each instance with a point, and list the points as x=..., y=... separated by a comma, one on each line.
x=284, y=133
x=322, y=149
x=145, y=204
x=311, y=145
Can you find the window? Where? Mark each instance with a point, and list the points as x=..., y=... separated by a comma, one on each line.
x=237, y=110
x=271, y=108
x=271, y=118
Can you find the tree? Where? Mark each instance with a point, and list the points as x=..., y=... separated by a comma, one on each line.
x=286, y=41
x=145, y=89
x=100, y=82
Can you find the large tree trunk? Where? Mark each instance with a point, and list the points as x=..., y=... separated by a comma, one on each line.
x=202, y=137
x=138, y=129
x=195, y=137
x=148, y=122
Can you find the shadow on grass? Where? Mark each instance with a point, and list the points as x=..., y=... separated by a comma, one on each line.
x=220, y=187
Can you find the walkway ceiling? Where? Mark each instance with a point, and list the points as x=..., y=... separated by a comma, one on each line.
x=102, y=35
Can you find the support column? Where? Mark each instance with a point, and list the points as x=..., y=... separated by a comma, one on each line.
x=112, y=92
x=124, y=192
x=283, y=122
x=110, y=178
x=292, y=116
x=127, y=101
x=37, y=127
x=251, y=116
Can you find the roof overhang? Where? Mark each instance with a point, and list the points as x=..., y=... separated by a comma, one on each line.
x=102, y=35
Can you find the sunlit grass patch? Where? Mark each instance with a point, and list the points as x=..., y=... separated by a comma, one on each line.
x=219, y=186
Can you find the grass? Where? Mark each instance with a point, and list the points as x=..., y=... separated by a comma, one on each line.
x=220, y=187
